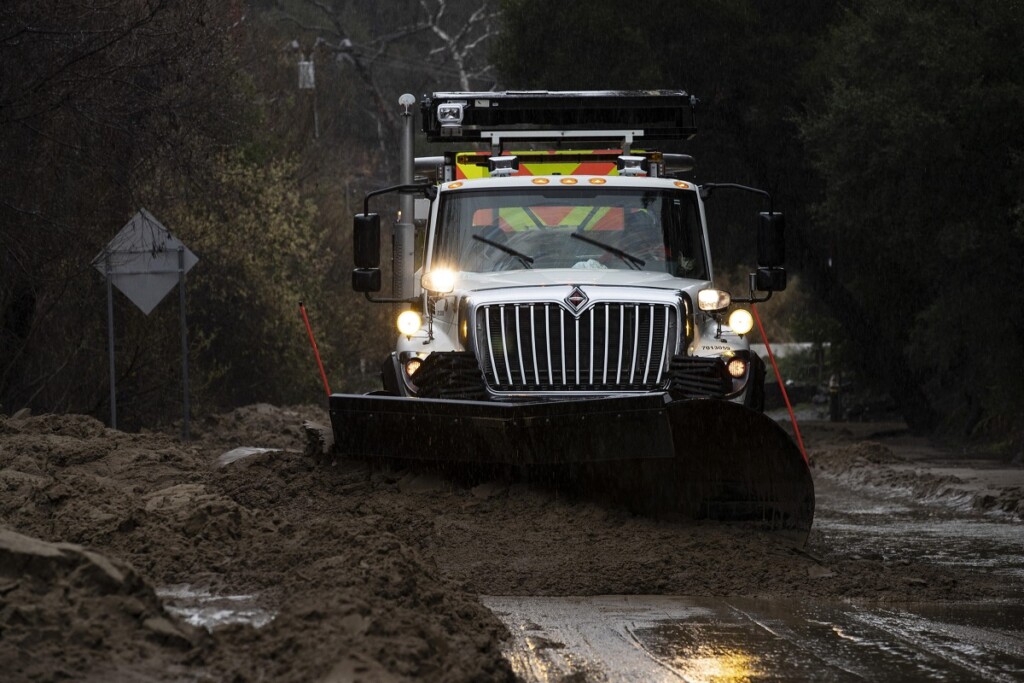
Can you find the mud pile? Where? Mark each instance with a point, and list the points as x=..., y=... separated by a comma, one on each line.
x=352, y=600
x=937, y=477
x=67, y=610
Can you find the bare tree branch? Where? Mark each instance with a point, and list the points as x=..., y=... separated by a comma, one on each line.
x=121, y=35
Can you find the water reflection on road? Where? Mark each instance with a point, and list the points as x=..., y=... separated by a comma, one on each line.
x=665, y=638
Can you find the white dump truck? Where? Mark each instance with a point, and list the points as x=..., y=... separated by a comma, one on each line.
x=559, y=316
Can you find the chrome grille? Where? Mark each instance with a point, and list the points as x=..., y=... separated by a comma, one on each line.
x=610, y=346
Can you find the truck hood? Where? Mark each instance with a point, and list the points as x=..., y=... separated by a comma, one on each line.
x=568, y=276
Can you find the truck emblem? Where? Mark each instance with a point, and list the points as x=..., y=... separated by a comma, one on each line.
x=576, y=299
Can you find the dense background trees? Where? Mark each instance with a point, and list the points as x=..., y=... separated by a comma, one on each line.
x=890, y=133
x=916, y=133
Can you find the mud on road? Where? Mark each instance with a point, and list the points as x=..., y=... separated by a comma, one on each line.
x=369, y=575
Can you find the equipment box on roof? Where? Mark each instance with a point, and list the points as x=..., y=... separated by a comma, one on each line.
x=463, y=117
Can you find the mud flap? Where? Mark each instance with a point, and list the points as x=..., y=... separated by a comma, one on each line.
x=699, y=458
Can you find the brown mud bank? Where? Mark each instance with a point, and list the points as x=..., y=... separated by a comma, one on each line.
x=352, y=600
x=886, y=456
x=370, y=574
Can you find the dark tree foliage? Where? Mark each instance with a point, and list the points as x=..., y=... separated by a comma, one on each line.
x=919, y=137
x=107, y=107
x=192, y=110
x=740, y=58
x=888, y=131
x=93, y=97
x=344, y=134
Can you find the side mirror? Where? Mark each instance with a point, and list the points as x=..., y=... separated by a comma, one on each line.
x=771, y=253
x=366, y=279
x=771, y=240
x=366, y=241
x=770, y=279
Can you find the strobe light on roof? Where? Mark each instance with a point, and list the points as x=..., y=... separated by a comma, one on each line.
x=449, y=115
x=632, y=166
x=503, y=166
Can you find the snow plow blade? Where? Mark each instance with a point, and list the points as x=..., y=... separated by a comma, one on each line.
x=701, y=458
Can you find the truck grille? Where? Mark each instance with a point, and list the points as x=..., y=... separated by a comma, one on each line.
x=543, y=347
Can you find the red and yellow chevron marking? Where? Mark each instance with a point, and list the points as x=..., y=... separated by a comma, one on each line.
x=519, y=219
x=470, y=165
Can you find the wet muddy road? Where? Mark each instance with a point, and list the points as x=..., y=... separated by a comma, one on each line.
x=134, y=557
x=666, y=638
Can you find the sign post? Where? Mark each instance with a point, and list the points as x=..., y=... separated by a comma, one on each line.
x=184, y=339
x=110, y=344
x=145, y=261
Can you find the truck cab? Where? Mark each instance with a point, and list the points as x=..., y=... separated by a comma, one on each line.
x=570, y=265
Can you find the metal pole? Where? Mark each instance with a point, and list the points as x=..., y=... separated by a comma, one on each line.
x=184, y=340
x=405, y=232
x=110, y=345
x=316, y=118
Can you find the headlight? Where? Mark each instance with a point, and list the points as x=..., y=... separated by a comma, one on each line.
x=412, y=365
x=409, y=323
x=737, y=367
x=741, y=321
x=440, y=281
x=713, y=299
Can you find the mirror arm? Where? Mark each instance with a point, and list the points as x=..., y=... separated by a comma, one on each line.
x=706, y=188
x=751, y=299
x=390, y=300
x=428, y=189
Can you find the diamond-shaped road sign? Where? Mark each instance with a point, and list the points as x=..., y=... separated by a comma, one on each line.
x=143, y=261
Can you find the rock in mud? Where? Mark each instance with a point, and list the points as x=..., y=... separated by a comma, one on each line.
x=71, y=612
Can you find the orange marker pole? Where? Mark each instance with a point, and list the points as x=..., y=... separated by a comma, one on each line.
x=782, y=385
x=316, y=351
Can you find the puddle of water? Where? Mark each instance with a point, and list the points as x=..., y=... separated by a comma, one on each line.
x=199, y=607
x=663, y=638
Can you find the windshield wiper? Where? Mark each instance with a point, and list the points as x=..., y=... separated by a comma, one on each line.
x=526, y=260
x=634, y=261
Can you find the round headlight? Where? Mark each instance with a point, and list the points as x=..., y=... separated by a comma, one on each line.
x=412, y=365
x=409, y=323
x=737, y=367
x=741, y=321
x=441, y=281
x=712, y=299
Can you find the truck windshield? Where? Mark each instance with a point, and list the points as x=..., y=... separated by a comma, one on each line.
x=493, y=230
